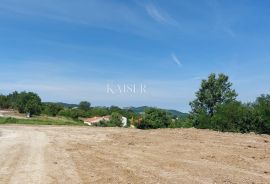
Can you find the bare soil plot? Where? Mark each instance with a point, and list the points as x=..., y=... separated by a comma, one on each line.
x=51, y=154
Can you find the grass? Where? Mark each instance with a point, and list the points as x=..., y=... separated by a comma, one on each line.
x=41, y=121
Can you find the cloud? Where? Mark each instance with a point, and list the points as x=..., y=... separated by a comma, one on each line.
x=222, y=22
x=176, y=60
x=159, y=15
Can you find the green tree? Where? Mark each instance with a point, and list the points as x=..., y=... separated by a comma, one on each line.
x=262, y=107
x=13, y=99
x=180, y=123
x=100, y=111
x=84, y=105
x=236, y=117
x=214, y=91
x=52, y=109
x=29, y=103
x=71, y=113
x=116, y=119
x=227, y=117
x=154, y=118
x=4, y=104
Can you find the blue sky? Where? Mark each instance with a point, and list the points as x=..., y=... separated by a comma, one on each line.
x=71, y=50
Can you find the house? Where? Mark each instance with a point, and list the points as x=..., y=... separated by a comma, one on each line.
x=97, y=119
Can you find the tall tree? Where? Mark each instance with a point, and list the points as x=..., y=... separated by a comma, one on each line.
x=4, y=102
x=29, y=103
x=262, y=106
x=214, y=91
x=84, y=105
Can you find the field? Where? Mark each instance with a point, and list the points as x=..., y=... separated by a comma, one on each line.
x=73, y=154
x=13, y=117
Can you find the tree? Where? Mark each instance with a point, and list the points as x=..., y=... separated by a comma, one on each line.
x=29, y=103
x=236, y=117
x=71, y=113
x=116, y=119
x=84, y=105
x=13, y=99
x=115, y=109
x=182, y=122
x=52, y=109
x=100, y=111
x=213, y=92
x=154, y=118
x=262, y=107
x=227, y=117
x=4, y=104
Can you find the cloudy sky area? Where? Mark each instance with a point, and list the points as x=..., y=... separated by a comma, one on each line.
x=70, y=50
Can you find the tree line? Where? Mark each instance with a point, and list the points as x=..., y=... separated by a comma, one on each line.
x=215, y=107
x=30, y=103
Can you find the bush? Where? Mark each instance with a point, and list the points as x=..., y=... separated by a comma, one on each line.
x=71, y=113
x=201, y=119
x=116, y=120
x=101, y=124
x=154, y=118
x=181, y=123
x=235, y=117
x=52, y=109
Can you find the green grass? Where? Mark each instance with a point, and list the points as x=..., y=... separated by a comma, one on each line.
x=41, y=121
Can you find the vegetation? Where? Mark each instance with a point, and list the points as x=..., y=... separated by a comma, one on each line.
x=115, y=121
x=84, y=105
x=216, y=107
x=40, y=121
x=51, y=109
x=213, y=92
x=181, y=123
x=23, y=102
x=174, y=113
x=154, y=118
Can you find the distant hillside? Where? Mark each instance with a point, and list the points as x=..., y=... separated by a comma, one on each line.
x=173, y=112
x=134, y=109
x=66, y=105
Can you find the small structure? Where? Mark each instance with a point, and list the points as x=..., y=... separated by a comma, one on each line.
x=124, y=121
x=96, y=119
x=28, y=115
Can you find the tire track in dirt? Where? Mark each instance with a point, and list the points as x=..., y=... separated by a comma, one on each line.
x=22, y=157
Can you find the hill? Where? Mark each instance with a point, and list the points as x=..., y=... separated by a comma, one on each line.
x=173, y=112
x=66, y=105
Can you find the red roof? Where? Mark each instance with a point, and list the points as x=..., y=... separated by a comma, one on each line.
x=97, y=118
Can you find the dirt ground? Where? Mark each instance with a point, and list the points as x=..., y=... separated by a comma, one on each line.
x=51, y=154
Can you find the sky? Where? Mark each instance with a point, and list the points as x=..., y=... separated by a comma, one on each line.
x=69, y=51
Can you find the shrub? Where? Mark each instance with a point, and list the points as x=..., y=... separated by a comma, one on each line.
x=52, y=109
x=181, y=123
x=116, y=120
x=154, y=118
